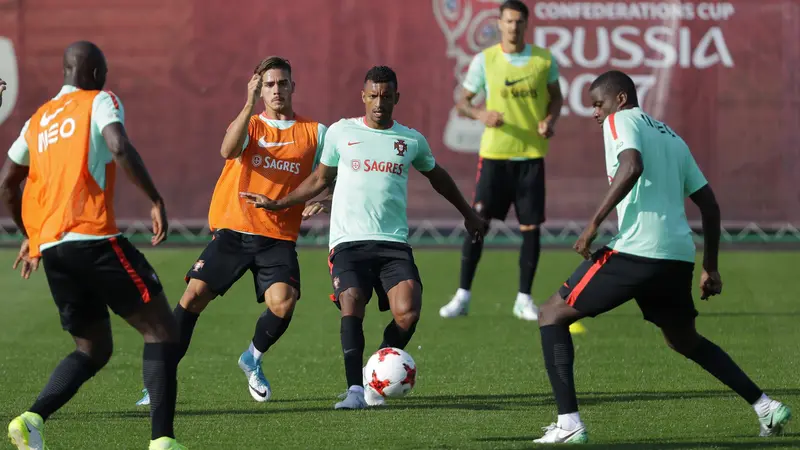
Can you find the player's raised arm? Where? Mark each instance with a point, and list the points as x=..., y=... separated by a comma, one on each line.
x=235, y=139
x=128, y=158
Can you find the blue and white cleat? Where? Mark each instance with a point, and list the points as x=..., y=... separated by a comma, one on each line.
x=354, y=399
x=257, y=383
x=145, y=400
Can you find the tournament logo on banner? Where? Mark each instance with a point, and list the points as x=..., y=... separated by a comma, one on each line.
x=10, y=74
x=469, y=26
x=648, y=40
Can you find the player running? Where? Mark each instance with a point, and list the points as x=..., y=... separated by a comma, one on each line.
x=651, y=259
x=66, y=214
x=271, y=152
x=523, y=103
x=371, y=157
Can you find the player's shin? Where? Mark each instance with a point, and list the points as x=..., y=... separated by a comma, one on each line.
x=186, y=322
x=529, y=259
x=66, y=379
x=269, y=328
x=718, y=363
x=559, y=356
x=159, y=371
x=470, y=255
x=396, y=336
x=352, y=334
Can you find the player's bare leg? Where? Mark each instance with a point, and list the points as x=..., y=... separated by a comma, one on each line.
x=555, y=317
x=93, y=347
x=405, y=302
x=158, y=327
x=195, y=299
x=280, y=299
x=353, y=304
x=772, y=415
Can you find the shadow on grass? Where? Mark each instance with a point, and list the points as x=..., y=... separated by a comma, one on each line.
x=779, y=442
x=486, y=402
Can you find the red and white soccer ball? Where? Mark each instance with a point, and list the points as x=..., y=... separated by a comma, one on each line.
x=390, y=372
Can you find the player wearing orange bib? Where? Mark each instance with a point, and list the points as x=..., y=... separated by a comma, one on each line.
x=272, y=152
x=66, y=156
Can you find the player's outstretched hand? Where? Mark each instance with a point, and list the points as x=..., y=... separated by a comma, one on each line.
x=29, y=265
x=3, y=87
x=710, y=284
x=158, y=213
x=584, y=243
x=491, y=119
x=323, y=206
x=546, y=129
x=259, y=201
x=476, y=226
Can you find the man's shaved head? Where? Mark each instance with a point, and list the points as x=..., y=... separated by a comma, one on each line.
x=85, y=66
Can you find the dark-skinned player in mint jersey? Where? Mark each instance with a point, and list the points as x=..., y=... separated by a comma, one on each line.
x=651, y=259
x=370, y=158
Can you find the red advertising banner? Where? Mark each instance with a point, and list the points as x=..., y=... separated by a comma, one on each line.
x=724, y=75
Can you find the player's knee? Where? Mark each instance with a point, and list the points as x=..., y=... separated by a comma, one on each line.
x=682, y=342
x=553, y=312
x=282, y=305
x=406, y=314
x=99, y=353
x=526, y=228
x=352, y=302
x=197, y=296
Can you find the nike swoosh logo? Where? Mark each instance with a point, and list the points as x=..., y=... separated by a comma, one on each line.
x=261, y=394
x=47, y=119
x=264, y=144
x=353, y=143
x=513, y=82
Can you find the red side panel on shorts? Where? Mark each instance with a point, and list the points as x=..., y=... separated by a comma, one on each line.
x=588, y=276
x=330, y=267
x=613, y=126
x=137, y=280
x=477, y=178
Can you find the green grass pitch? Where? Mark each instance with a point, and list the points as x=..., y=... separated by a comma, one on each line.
x=481, y=381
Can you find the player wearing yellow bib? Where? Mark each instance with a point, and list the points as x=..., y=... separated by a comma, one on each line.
x=523, y=102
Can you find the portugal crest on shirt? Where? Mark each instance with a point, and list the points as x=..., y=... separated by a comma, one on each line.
x=401, y=147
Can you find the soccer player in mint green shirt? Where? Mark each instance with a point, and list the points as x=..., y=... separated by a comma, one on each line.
x=370, y=158
x=651, y=172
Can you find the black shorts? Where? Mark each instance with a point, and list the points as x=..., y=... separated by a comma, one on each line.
x=230, y=254
x=501, y=183
x=662, y=288
x=369, y=265
x=88, y=277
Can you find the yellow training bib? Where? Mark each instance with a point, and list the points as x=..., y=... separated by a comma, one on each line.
x=520, y=93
